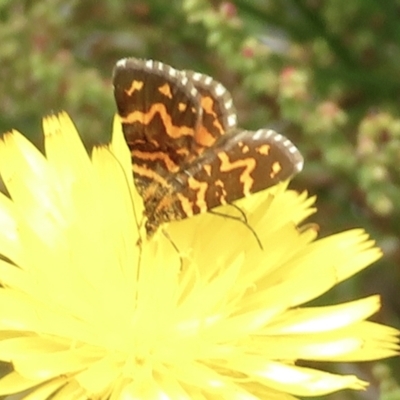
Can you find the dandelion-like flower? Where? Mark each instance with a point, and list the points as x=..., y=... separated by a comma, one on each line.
x=92, y=309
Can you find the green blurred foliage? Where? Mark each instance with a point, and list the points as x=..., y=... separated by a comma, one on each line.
x=324, y=73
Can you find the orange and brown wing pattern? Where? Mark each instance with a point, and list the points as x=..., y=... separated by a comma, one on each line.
x=218, y=111
x=160, y=112
x=188, y=156
x=169, y=117
x=242, y=163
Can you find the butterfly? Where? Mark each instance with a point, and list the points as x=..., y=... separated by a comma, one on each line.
x=188, y=154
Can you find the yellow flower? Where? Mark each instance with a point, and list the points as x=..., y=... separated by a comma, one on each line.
x=91, y=309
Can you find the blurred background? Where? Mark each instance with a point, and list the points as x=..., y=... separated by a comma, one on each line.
x=324, y=73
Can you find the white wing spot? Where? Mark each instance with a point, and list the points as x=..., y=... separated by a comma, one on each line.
x=196, y=76
x=270, y=133
x=258, y=134
x=219, y=90
x=228, y=104
x=299, y=165
x=287, y=143
x=231, y=119
x=122, y=62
